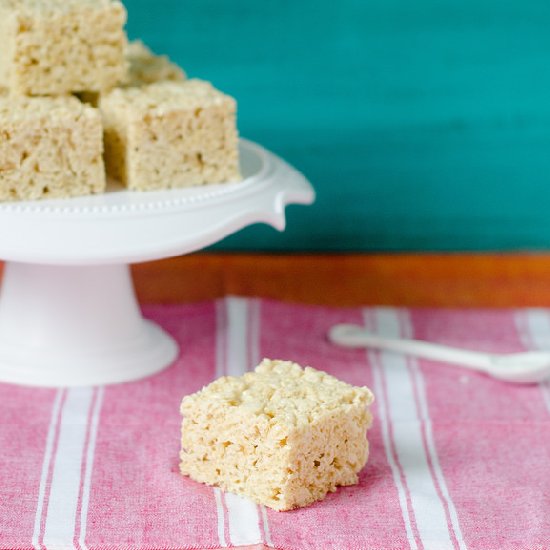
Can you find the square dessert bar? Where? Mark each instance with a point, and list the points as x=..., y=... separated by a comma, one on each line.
x=145, y=67
x=170, y=134
x=281, y=435
x=55, y=47
x=49, y=148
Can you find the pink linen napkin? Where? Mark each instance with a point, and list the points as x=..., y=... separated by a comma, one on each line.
x=458, y=460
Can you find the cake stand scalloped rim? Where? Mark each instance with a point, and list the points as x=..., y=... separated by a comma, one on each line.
x=127, y=227
x=149, y=201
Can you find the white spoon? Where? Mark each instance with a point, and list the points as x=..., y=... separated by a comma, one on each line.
x=521, y=368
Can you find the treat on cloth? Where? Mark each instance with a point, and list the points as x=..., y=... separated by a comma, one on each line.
x=170, y=134
x=281, y=435
x=55, y=47
x=49, y=148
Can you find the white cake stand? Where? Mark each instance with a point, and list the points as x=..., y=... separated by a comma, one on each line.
x=68, y=312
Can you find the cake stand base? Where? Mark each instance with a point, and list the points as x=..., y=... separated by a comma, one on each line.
x=76, y=326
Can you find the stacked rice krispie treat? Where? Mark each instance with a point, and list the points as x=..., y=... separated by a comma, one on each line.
x=79, y=103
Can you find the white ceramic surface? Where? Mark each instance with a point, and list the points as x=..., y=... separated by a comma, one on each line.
x=68, y=313
x=76, y=326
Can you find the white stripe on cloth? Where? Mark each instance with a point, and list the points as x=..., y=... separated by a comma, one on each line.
x=254, y=323
x=221, y=517
x=243, y=520
x=267, y=532
x=237, y=337
x=382, y=413
x=65, y=485
x=90, y=454
x=428, y=508
x=254, y=332
x=545, y=388
x=220, y=371
x=221, y=323
x=46, y=468
x=242, y=514
x=431, y=448
x=533, y=325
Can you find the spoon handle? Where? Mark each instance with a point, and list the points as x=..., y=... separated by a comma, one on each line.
x=353, y=336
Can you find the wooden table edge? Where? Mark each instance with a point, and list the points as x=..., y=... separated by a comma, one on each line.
x=412, y=280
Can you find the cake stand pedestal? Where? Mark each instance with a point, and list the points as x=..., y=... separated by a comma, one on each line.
x=68, y=311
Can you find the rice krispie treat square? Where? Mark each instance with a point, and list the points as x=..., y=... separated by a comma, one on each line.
x=143, y=67
x=170, y=134
x=55, y=47
x=281, y=435
x=146, y=67
x=49, y=148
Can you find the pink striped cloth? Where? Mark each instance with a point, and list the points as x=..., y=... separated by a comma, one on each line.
x=458, y=460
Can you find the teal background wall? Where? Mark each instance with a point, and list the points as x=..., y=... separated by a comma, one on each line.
x=423, y=125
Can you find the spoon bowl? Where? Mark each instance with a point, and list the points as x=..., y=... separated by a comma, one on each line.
x=529, y=367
